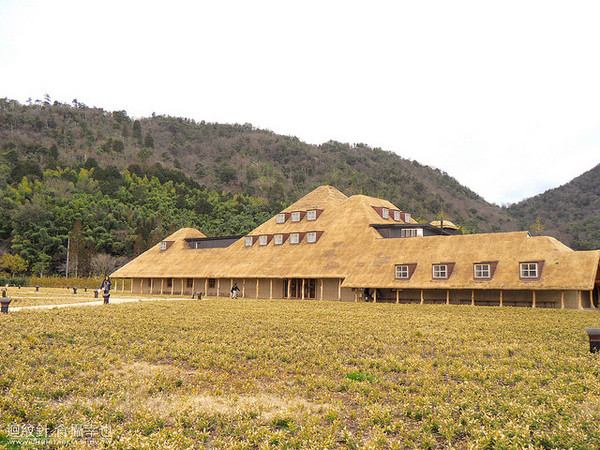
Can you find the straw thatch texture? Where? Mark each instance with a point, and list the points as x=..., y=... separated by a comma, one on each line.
x=349, y=248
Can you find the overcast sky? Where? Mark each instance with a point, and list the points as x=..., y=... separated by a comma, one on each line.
x=503, y=96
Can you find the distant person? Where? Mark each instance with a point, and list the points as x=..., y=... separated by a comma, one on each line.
x=234, y=290
x=106, y=285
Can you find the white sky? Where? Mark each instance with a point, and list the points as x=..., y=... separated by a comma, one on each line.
x=504, y=96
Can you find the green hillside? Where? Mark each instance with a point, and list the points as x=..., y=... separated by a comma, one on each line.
x=118, y=185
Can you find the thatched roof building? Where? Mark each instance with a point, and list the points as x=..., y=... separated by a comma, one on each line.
x=330, y=246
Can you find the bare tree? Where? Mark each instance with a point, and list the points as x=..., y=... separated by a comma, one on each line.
x=104, y=264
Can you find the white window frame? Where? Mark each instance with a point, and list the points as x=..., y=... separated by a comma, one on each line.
x=311, y=237
x=397, y=216
x=163, y=245
x=248, y=241
x=402, y=272
x=407, y=217
x=294, y=238
x=439, y=272
x=296, y=216
x=281, y=218
x=311, y=214
x=482, y=271
x=262, y=240
x=278, y=239
x=529, y=270
x=385, y=213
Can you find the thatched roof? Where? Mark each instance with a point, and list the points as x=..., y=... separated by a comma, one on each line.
x=350, y=249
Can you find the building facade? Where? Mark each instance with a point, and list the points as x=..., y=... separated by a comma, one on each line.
x=328, y=246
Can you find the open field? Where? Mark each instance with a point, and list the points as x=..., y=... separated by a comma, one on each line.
x=224, y=373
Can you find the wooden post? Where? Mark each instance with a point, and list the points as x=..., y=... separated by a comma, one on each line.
x=151, y=285
x=340, y=289
x=162, y=286
x=193, y=287
x=562, y=299
x=321, y=288
x=218, y=287
x=257, y=286
x=422, y=297
x=271, y=289
x=447, y=296
x=243, y=287
x=533, y=299
x=289, y=287
x=303, y=284
x=182, y=286
x=375, y=295
x=205, y=287
x=131, y=288
x=592, y=300
x=172, y=285
x=472, y=297
x=501, y=300
x=355, y=295
x=230, y=287
x=397, y=296
x=580, y=305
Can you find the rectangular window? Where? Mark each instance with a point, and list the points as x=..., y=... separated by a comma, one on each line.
x=411, y=232
x=397, y=217
x=296, y=216
x=211, y=282
x=402, y=272
x=311, y=237
x=440, y=271
x=262, y=240
x=190, y=282
x=278, y=239
x=163, y=245
x=294, y=238
x=311, y=214
x=385, y=213
x=529, y=270
x=407, y=217
x=248, y=241
x=281, y=218
x=482, y=271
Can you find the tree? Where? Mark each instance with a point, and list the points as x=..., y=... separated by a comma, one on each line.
x=14, y=264
x=537, y=228
x=149, y=141
x=105, y=264
x=137, y=131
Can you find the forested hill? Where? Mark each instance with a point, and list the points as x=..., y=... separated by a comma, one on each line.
x=119, y=185
x=570, y=212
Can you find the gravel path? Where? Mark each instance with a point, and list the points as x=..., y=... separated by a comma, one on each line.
x=115, y=300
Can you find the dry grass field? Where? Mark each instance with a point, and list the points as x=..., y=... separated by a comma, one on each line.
x=224, y=373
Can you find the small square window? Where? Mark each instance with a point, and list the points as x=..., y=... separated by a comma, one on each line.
x=529, y=270
x=385, y=213
x=294, y=238
x=397, y=216
x=262, y=240
x=482, y=271
x=296, y=216
x=278, y=239
x=281, y=218
x=311, y=237
x=440, y=271
x=311, y=214
x=248, y=241
x=402, y=272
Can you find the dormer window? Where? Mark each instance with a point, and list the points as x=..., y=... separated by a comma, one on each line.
x=296, y=216
x=164, y=245
x=294, y=238
x=397, y=216
x=407, y=217
x=531, y=270
x=248, y=241
x=278, y=239
x=311, y=214
x=442, y=271
x=481, y=271
x=281, y=218
x=262, y=240
x=311, y=237
x=385, y=213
